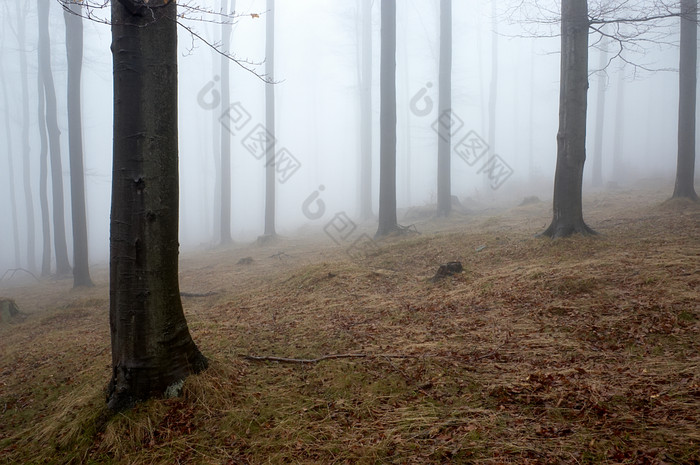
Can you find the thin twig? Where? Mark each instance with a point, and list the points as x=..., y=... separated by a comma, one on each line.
x=320, y=359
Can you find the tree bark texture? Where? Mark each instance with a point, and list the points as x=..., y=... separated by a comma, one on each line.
x=151, y=345
x=74, y=51
x=685, y=173
x=571, y=137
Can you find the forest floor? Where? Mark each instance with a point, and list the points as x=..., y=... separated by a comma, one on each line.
x=582, y=350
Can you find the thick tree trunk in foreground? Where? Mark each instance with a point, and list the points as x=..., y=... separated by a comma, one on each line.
x=270, y=121
x=74, y=50
x=59, y=225
x=571, y=138
x=28, y=196
x=152, y=349
x=225, y=216
x=366, y=111
x=444, y=181
x=685, y=173
x=387, y=164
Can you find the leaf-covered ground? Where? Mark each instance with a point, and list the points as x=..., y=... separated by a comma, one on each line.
x=584, y=350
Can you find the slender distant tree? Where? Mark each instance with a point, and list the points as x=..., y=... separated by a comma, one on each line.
x=365, y=77
x=225, y=216
x=43, y=181
x=72, y=15
x=444, y=181
x=493, y=87
x=602, y=84
x=685, y=172
x=571, y=138
x=618, y=140
x=152, y=350
x=531, y=119
x=21, y=10
x=270, y=120
x=11, y=170
x=59, y=227
x=387, y=165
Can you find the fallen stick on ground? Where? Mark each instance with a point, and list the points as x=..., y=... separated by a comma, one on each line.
x=194, y=294
x=320, y=359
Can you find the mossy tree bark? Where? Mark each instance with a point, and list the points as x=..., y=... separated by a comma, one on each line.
x=151, y=345
x=571, y=138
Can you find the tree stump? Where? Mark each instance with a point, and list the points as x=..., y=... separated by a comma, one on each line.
x=8, y=309
x=448, y=269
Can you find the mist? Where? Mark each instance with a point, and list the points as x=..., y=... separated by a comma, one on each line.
x=318, y=117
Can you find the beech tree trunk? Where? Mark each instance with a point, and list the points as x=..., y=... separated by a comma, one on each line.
x=618, y=142
x=270, y=120
x=685, y=173
x=387, y=164
x=493, y=88
x=571, y=138
x=43, y=181
x=11, y=171
x=597, y=178
x=59, y=225
x=366, y=111
x=152, y=350
x=444, y=181
x=74, y=51
x=28, y=196
x=225, y=216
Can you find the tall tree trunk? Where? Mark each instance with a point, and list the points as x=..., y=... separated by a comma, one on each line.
x=74, y=50
x=685, y=172
x=44, y=181
x=26, y=171
x=59, y=225
x=444, y=181
x=270, y=120
x=152, y=349
x=366, y=111
x=11, y=171
x=619, y=125
x=571, y=138
x=493, y=89
x=387, y=164
x=531, y=119
x=600, y=118
x=217, y=127
x=225, y=233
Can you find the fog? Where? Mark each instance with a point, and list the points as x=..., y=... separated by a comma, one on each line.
x=317, y=116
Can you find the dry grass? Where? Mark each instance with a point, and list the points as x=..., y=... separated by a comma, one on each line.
x=582, y=350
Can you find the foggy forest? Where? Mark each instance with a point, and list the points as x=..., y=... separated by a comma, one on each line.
x=349, y=231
